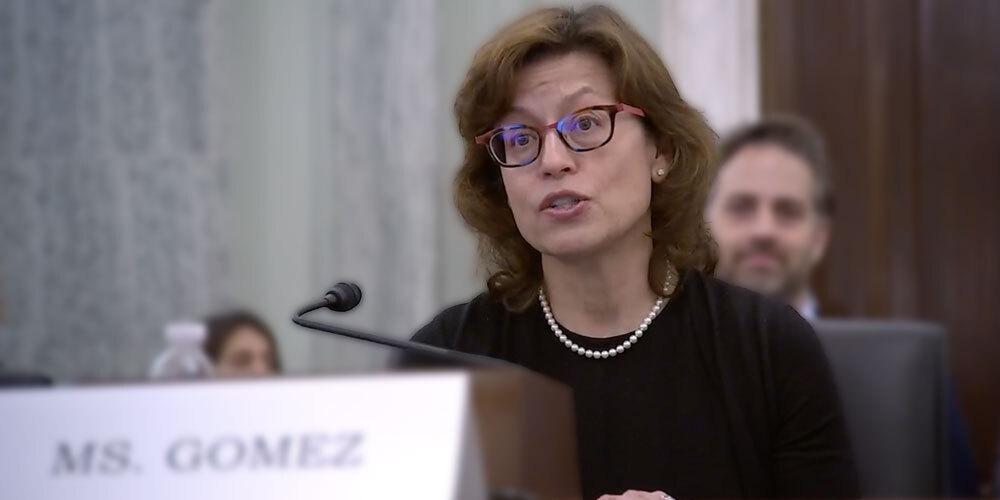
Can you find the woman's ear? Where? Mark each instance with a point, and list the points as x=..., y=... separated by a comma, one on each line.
x=660, y=167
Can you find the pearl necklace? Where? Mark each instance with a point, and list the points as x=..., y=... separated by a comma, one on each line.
x=668, y=288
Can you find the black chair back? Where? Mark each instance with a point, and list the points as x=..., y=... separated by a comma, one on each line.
x=891, y=377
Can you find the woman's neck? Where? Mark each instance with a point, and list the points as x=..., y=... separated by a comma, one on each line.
x=601, y=295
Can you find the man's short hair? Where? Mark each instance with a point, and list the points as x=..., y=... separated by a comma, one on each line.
x=795, y=135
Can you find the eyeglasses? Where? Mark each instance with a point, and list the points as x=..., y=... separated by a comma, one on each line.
x=585, y=130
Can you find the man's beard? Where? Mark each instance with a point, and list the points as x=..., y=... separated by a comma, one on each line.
x=785, y=281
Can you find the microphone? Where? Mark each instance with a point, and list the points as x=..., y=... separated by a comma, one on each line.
x=345, y=296
x=342, y=297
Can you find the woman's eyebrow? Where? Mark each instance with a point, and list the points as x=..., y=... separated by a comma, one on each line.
x=586, y=89
x=518, y=110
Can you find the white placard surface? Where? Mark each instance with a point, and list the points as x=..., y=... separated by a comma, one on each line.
x=390, y=436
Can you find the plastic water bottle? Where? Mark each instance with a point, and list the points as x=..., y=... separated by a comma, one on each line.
x=183, y=358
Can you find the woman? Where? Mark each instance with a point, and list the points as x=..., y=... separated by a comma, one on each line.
x=584, y=178
x=241, y=345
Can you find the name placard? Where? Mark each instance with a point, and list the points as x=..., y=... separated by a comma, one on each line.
x=388, y=436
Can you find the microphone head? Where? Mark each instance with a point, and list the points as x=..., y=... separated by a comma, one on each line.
x=344, y=296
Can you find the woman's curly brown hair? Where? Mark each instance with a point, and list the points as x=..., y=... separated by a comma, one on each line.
x=679, y=233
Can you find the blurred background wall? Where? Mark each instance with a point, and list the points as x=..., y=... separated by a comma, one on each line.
x=112, y=183
x=907, y=94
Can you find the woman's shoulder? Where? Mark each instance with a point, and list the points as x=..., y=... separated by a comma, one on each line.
x=449, y=328
x=748, y=318
x=746, y=307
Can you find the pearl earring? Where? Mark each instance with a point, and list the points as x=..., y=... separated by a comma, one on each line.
x=660, y=172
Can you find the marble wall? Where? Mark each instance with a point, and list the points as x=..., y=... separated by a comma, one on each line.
x=712, y=46
x=110, y=188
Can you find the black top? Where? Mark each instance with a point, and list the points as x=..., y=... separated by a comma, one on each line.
x=726, y=394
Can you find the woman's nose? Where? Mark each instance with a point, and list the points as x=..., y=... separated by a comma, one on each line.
x=555, y=158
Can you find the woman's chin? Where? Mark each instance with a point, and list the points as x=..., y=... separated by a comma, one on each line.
x=569, y=246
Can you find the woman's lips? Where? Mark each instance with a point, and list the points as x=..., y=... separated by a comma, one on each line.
x=564, y=212
x=557, y=198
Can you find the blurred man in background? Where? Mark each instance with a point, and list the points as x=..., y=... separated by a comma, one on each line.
x=769, y=209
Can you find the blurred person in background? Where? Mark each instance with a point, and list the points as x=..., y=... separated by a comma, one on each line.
x=769, y=209
x=241, y=345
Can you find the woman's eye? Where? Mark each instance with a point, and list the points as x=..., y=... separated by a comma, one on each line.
x=521, y=140
x=587, y=122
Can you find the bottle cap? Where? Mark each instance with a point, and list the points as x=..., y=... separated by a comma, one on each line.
x=185, y=331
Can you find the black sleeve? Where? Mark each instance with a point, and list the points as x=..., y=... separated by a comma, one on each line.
x=435, y=333
x=811, y=454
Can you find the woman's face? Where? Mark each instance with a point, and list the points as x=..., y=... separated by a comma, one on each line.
x=246, y=353
x=606, y=191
